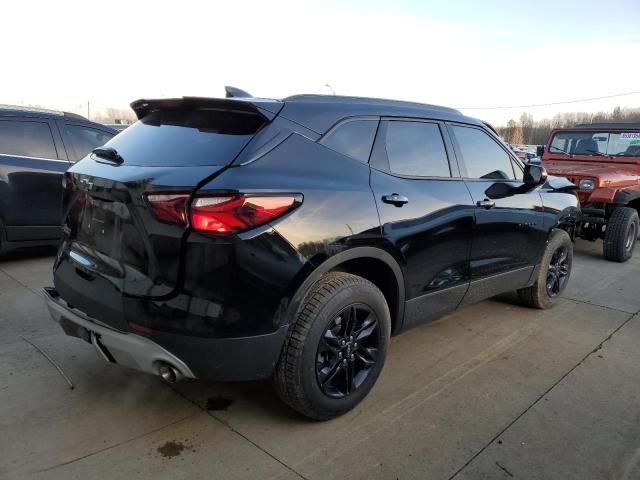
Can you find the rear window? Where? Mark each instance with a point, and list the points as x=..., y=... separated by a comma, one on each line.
x=190, y=137
x=26, y=139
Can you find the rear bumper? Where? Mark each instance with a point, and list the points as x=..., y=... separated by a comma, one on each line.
x=222, y=359
x=126, y=349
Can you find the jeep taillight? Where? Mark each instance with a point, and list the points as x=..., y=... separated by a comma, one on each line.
x=222, y=214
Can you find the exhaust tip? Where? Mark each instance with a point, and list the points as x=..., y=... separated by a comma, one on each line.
x=168, y=373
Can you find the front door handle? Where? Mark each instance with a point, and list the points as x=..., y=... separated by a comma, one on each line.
x=486, y=203
x=395, y=199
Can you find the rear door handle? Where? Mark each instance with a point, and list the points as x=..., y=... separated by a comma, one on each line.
x=486, y=203
x=395, y=199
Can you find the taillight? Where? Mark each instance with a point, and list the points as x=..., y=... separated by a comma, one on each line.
x=170, y=208
x=238, y=213
x=222, y=214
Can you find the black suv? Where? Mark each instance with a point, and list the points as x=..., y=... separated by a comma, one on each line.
x=36, y=147
x=241, y=239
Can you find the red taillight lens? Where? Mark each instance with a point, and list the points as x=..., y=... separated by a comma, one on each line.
x=237, y=213
x=170, y=208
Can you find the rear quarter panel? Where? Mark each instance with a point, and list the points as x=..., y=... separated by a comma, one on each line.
x=260, y=270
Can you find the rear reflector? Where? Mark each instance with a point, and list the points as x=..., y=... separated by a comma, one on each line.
x=238, y=213
x=222, y=214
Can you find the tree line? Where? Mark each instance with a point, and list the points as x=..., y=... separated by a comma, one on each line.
x=528, y=131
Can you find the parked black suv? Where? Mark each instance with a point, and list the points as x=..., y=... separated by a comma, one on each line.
x=239, y=239
x=36, y=147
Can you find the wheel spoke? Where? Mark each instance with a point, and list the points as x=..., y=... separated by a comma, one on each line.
x=331, y=374
x=562, y=257
x=349, y=378
x=367, y=328
x=326, y=345
x=367, y=356
x=349, y=320
x=331, y=340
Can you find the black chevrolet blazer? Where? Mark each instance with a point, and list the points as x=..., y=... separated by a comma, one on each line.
x=241, y=238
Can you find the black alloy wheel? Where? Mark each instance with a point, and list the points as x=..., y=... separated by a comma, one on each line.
x=336, y=347
x=558, y=272
x=347, y=351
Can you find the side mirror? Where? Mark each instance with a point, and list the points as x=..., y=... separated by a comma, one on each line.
x=540, y=150
x=534, y=175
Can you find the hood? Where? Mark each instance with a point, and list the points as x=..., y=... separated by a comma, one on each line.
x=608, y=174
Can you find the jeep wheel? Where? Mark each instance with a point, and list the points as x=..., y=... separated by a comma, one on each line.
x=621, y=234
x=553, y=274
x=336, y=347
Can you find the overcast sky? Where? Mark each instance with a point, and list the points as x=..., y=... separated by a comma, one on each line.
x=63, y=53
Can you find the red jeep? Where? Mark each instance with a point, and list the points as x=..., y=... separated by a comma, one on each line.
x=603, y=161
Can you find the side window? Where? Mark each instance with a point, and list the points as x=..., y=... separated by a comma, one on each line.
x=27, y=139
x=416, y=149
x=482, y=156
x=353, y=138
x=85, y=139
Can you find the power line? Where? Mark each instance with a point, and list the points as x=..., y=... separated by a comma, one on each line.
x=552, y=103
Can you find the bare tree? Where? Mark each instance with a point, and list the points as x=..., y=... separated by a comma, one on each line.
x=530, y=131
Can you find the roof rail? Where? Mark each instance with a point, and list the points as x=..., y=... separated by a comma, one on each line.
x=362, y=100
x=31, y=109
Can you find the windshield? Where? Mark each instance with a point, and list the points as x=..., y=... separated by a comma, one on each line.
x=625, y=144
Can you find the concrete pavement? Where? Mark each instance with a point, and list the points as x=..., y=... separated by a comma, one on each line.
x=493, y=391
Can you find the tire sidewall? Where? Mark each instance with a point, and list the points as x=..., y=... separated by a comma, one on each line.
x=368, y=295
x=615, y=243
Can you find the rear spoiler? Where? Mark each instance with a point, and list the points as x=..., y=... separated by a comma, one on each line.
x=266, y=108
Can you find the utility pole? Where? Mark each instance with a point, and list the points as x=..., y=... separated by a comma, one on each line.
x=88, y=112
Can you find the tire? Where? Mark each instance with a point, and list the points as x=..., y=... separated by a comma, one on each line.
x=621, y=234
x=312, y=375
x=553, y=274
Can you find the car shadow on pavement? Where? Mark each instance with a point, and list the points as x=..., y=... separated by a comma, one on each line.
x=26, y=253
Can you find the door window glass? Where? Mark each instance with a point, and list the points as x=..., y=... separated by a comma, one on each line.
x=416, y=149
x=482, y=155
x=27, y=139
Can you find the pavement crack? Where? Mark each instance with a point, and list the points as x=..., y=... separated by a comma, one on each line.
x=240, y=434
x=544, y=394
x=124, y=442
x=504, y=470
x=613, y=309
x=51, y=361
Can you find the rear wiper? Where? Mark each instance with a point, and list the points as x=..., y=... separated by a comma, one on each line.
x=596, y=152
x=108, y=153
x=560, y=151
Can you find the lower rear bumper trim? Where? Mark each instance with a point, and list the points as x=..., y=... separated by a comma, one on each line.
x=124, y=348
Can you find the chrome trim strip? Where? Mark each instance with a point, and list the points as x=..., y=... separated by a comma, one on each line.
x=34, y=158
x=85, y=262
